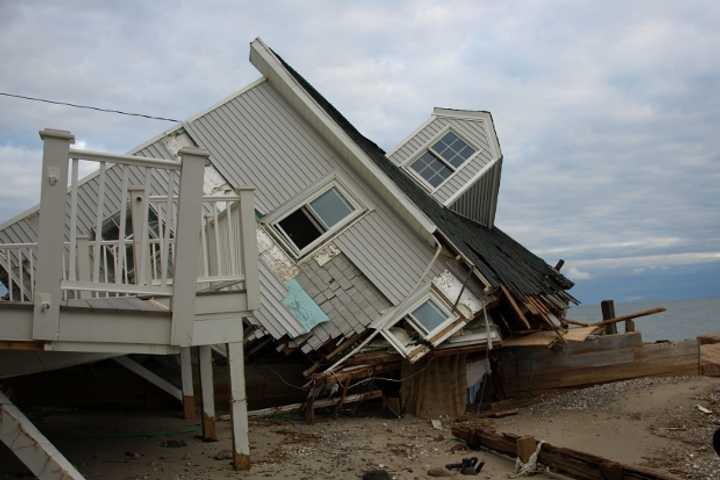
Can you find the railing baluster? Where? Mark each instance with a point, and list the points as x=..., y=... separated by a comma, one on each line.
x=231, y=237
x=73, y=216
x=105, y=267
x=122, y=249
x=145, y=231
x=99, y=216
x=8, y=262
x=204, y=247
x=216, y=229
x=21, y=273
x=32, y=274
x=165, y=251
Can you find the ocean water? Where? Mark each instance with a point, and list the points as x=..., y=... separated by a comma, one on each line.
x=683, y=318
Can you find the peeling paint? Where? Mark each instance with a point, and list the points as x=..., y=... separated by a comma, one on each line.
x=275, y=257
x=450, y=286
x=303, y=307
x=326, y=253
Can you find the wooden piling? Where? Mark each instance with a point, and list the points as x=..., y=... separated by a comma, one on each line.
x=608, y=312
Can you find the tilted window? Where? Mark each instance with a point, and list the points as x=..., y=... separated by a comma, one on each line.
x=428, y=316
x=442, y=159
x=307, y=225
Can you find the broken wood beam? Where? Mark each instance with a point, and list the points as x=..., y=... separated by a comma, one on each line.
x=631, y=316
x=573, y=463
x=515, y=307
x=331, y=402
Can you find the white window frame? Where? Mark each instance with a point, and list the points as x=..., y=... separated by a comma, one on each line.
x=304, y=200
x=428, y=294
x=428, y=148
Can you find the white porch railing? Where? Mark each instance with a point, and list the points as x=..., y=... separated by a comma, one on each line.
x=143, y=227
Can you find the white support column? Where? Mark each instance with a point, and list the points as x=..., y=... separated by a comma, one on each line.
x=51, y=232
x=249, y=247
x=150, y=376
x=187, y=235
x=32, y=447
x=207, y=390
x=238, y=406
x=188, y=396
x=138, y=205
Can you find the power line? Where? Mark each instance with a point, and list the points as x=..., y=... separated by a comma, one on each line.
x=87, y=107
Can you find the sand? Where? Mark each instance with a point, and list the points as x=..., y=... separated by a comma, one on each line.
x=649, y=422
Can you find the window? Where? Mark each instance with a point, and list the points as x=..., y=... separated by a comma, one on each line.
x=442, y=159
x=428, y=316
x=305, y=226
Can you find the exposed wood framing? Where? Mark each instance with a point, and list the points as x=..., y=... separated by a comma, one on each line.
x=32, y=447
x=296, y=407
x=515, y=307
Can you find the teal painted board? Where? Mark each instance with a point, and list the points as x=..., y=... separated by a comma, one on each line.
x=303, y=307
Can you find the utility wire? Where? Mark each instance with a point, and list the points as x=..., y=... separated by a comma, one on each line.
x=87, y=107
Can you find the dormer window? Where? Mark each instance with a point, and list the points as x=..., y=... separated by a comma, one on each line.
x=442, y=159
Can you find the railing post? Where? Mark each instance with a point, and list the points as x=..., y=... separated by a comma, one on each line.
x=138, y=205
x=248, y=224
x=187, y=244
x=51, y=232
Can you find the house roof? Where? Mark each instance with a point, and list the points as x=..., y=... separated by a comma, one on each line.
x=500, y=259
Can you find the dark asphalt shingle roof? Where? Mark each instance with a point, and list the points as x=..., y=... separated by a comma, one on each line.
x=502, y=260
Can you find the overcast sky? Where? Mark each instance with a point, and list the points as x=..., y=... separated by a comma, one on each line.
x=608, y=113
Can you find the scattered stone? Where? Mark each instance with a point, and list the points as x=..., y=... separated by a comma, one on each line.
x=224, y=455
x=132, y=454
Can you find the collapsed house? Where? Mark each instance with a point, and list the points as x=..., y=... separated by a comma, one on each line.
x=369, y=261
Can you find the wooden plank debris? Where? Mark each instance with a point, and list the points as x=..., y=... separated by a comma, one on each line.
x=296, y=407
x=570, y=462
x=631, y=316
x=31, y=446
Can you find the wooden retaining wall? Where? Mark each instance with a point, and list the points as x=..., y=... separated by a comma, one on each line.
x=606, y=358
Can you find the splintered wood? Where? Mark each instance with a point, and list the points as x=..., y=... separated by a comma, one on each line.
x=573, y=463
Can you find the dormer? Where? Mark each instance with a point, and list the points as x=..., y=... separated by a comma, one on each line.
x=455, y=156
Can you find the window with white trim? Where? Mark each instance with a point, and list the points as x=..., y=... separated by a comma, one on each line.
x=427, y=322
x=321, y=215
x=442, y=159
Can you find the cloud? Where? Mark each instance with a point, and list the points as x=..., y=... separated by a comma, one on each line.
x=575, y=274
x=607, y=115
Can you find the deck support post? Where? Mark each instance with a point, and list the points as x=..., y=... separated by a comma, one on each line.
x=207, y=390
x=51, y=233
x=32, y=447
x=188, y=397
x=150, y=376
x=238, y=406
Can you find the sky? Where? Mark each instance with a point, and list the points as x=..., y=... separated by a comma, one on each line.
x=608, y=113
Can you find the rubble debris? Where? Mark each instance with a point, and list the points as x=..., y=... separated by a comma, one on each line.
x=439, y=472
x=170, y=443
x=703, y=409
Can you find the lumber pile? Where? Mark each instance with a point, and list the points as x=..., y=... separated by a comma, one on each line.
x=570, y=462
x=606, y=359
